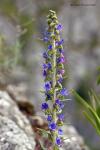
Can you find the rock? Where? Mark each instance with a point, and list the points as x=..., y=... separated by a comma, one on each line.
x=15, y=130
x=9, y=109
x=18, y=92
x=12, y=137
x=73, y=141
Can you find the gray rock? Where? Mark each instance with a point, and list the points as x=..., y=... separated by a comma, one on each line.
x=15, y=129
x=9, y=109
x=12, y=137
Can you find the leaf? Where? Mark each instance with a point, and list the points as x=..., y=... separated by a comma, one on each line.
x=92, y=99
x=95, y=117
x=80, y=99
x=41, y=144
x=98, y=80
x=43, y=131
x=95, y=102
x=93, y=114
x=96, y=98
x=56, y=147
x=66, y=99
x=88, y=107
x=92, y=122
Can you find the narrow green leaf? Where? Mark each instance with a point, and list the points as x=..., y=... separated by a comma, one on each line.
x=41, y=144
x=92, y=122
x=92, y=99
x=98, y=80
x=93, y=113
x=97, y=99
x=95, y=117
x=43, y=131
x=80, y=99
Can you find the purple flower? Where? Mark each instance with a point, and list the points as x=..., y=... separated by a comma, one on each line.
x=64, y=92
x=45, y=39
x=44, y=73
x=62, y=71
x=61, y=117
x=58, y=43
x=58, y=141
x=49, y=118
x=49, y=65
x=44, y=106
x=59, y=27
x=61, y=41
x=45, y=55
x=60, y=131
x=48, y=96
x=47, y=34
x=49, y=47
x=52, y=126
x=47, y=86
x=60, y=60
x=60, y=50
x=59, y=103
x=45, y=66
x=60, y=80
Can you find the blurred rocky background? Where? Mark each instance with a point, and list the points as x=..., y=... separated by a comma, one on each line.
x=22, y=25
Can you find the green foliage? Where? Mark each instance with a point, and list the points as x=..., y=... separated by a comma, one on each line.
x=23, y=22
x=98, y=78
x=20, y=19
x=8, y=7
x=92, y=112
x=9, y=55
x=27, y=27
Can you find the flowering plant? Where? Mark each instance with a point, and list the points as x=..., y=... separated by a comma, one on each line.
x=53, y=72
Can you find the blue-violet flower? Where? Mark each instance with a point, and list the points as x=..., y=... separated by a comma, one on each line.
x=64, y=92
x=52, y=126
x=58, y=141
x=44, y=106
x=47, y=86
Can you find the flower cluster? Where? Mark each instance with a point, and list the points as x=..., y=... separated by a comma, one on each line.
x=53, y=72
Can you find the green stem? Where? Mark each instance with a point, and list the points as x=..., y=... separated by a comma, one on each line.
x=54, y=84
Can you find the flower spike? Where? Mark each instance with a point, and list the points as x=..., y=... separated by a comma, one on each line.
x=53, y=71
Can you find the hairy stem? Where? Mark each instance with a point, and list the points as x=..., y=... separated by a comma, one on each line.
x=54, y=84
